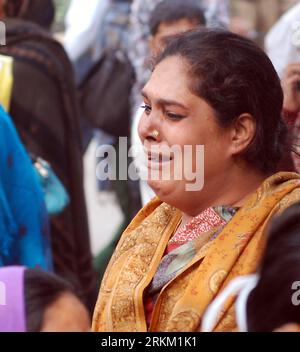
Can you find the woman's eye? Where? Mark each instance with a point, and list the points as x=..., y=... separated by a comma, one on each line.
x=147, y=109
x=173, y=116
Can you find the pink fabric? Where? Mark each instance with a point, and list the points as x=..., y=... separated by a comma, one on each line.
x=12, y=300
x=206, y=221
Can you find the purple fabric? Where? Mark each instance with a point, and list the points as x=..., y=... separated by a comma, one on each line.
x=12, y=299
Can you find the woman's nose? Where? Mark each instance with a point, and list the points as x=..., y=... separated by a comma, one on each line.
x=148, y=128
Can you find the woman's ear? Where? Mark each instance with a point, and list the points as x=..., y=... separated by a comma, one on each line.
x=243, y=132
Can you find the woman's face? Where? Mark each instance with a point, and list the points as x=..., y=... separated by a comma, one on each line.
x=175, y=116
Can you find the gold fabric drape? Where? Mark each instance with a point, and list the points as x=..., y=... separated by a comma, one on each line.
x=236, y=251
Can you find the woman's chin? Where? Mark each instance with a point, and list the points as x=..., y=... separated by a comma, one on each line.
x=165, y=190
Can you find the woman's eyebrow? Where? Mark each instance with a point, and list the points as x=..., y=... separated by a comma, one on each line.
x=168, y=102
x=165, y=102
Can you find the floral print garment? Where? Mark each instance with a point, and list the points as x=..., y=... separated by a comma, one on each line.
x=182, y=248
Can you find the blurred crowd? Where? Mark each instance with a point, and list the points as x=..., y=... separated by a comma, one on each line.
x=72, y=72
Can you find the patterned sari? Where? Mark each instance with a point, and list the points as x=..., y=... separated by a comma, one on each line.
x=173, y=286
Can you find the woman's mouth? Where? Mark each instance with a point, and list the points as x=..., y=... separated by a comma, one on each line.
x=159, y=158
x=157, y=161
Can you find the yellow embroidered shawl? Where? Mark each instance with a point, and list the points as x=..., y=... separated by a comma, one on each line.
x=6, y=81
x=182, y=302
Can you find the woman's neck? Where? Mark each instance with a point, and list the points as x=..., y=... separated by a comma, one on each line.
x=230, y=192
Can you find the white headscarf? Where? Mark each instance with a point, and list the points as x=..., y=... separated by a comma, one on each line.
x=282, y=43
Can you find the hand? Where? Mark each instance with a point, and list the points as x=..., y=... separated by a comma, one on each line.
x=290, y=87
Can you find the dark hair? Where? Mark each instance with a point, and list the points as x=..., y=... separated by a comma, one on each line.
x=170, y=11
x=41, y=290
x=270, y=303
x=37, y=11
x=234, y=76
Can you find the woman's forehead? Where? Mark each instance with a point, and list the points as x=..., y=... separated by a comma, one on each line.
x=169, y=80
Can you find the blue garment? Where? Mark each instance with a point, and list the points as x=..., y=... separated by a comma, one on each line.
x=24, y=223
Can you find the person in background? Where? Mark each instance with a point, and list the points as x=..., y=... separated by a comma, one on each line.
x=217, y=15
x=24, y=223
x=114, y=38
x=282, y=42
x=291, y=109
x=39, y=12
x=269, y=300
x=82, y=42
x=169, y=17
x=271, y=304
x=34, y=301
x=83, y=22
x=282, y=45
x=45, y=112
